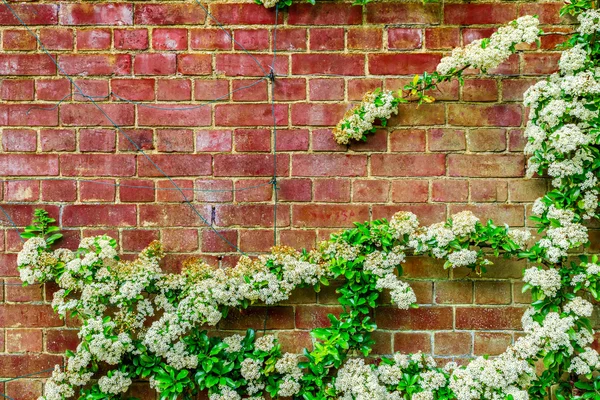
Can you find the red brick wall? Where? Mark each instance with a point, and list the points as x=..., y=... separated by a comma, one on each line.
x=462, y=152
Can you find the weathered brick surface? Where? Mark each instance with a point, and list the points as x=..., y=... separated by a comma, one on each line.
x=462, y=152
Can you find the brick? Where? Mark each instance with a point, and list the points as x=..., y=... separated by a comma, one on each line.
x=251, y=39
x=412, y=342
x=478, y=115
x=328, y=215
x=214, y=190
x=175, y=140
x=491, y=343
x=88, y=89
x=245, y=65
x=59, y=190
x=410, y=191
x=19, y=140
x=27, y=316
x=454, y=292
x=492, y=292
x=402, y=13
x=90, y=114
x=96, y=14
x=324, y=14
x=175, y=165
x=332, y=190
x=173, y=115
x=26, y=64
x=214, y=242
x=243, y=14
x=58, y=341
x=408, y=164
x=210, y=39
x=326, y=89
x=95, y=64
x=249, y=140
x=527, y=190
x=479, y=14
x=365, y=38
x=13, y=365
x=131, y=39
x=249, y=165
x=97, y=140
x=133, y=89
x=442, y=38
x=295, y=190
x=370, y=191
x=169, y=39
x=429, y=114
x=310, y=317
x=154, y=64
x=24, y=389
x=169, y=14
x=488, y=165
x=328, y=63
x=30, y=14
x=487, y=140
x=18, y=39
x=317, y=114
x=480, y=318
x=99, y=215
x=213, y=140
x=423, y=318
x=404, y=38
x=290, y=89
x=446, y=139
x=407, y=140
x=52, y=89
x=97, y=165
x=256, y=240
x=328, y=165
x=57, y=139
x=452, y=343
x=28, y=165
x=250, y=114
x=211, y=89
x=292, y=140
x=21, y=191
x=513, y=89
x=136, y=190
x=249, y=90
x=194, y=64
x=138, y=240
x=94, y=39
x=23, y=340
x=249, y=215
x=402, y=64
x=488, y=190
x=143, y=138
x=540, y=64
x=480, y=90
x=450, y=190
x=253, y=190
x=290, y=39
x=326, y=39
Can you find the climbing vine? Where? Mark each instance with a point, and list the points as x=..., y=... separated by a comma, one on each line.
x=139, y=322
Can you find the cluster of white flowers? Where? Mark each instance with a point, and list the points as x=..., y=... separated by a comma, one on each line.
x=359, y=120
x=548, y=280
x=403, y=223
x=292, y=374
x=589, y=22
x=573, y=59
x=115, y=383
x=488, y=54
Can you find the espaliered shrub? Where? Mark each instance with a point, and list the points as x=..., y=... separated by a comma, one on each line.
x=140, y=322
